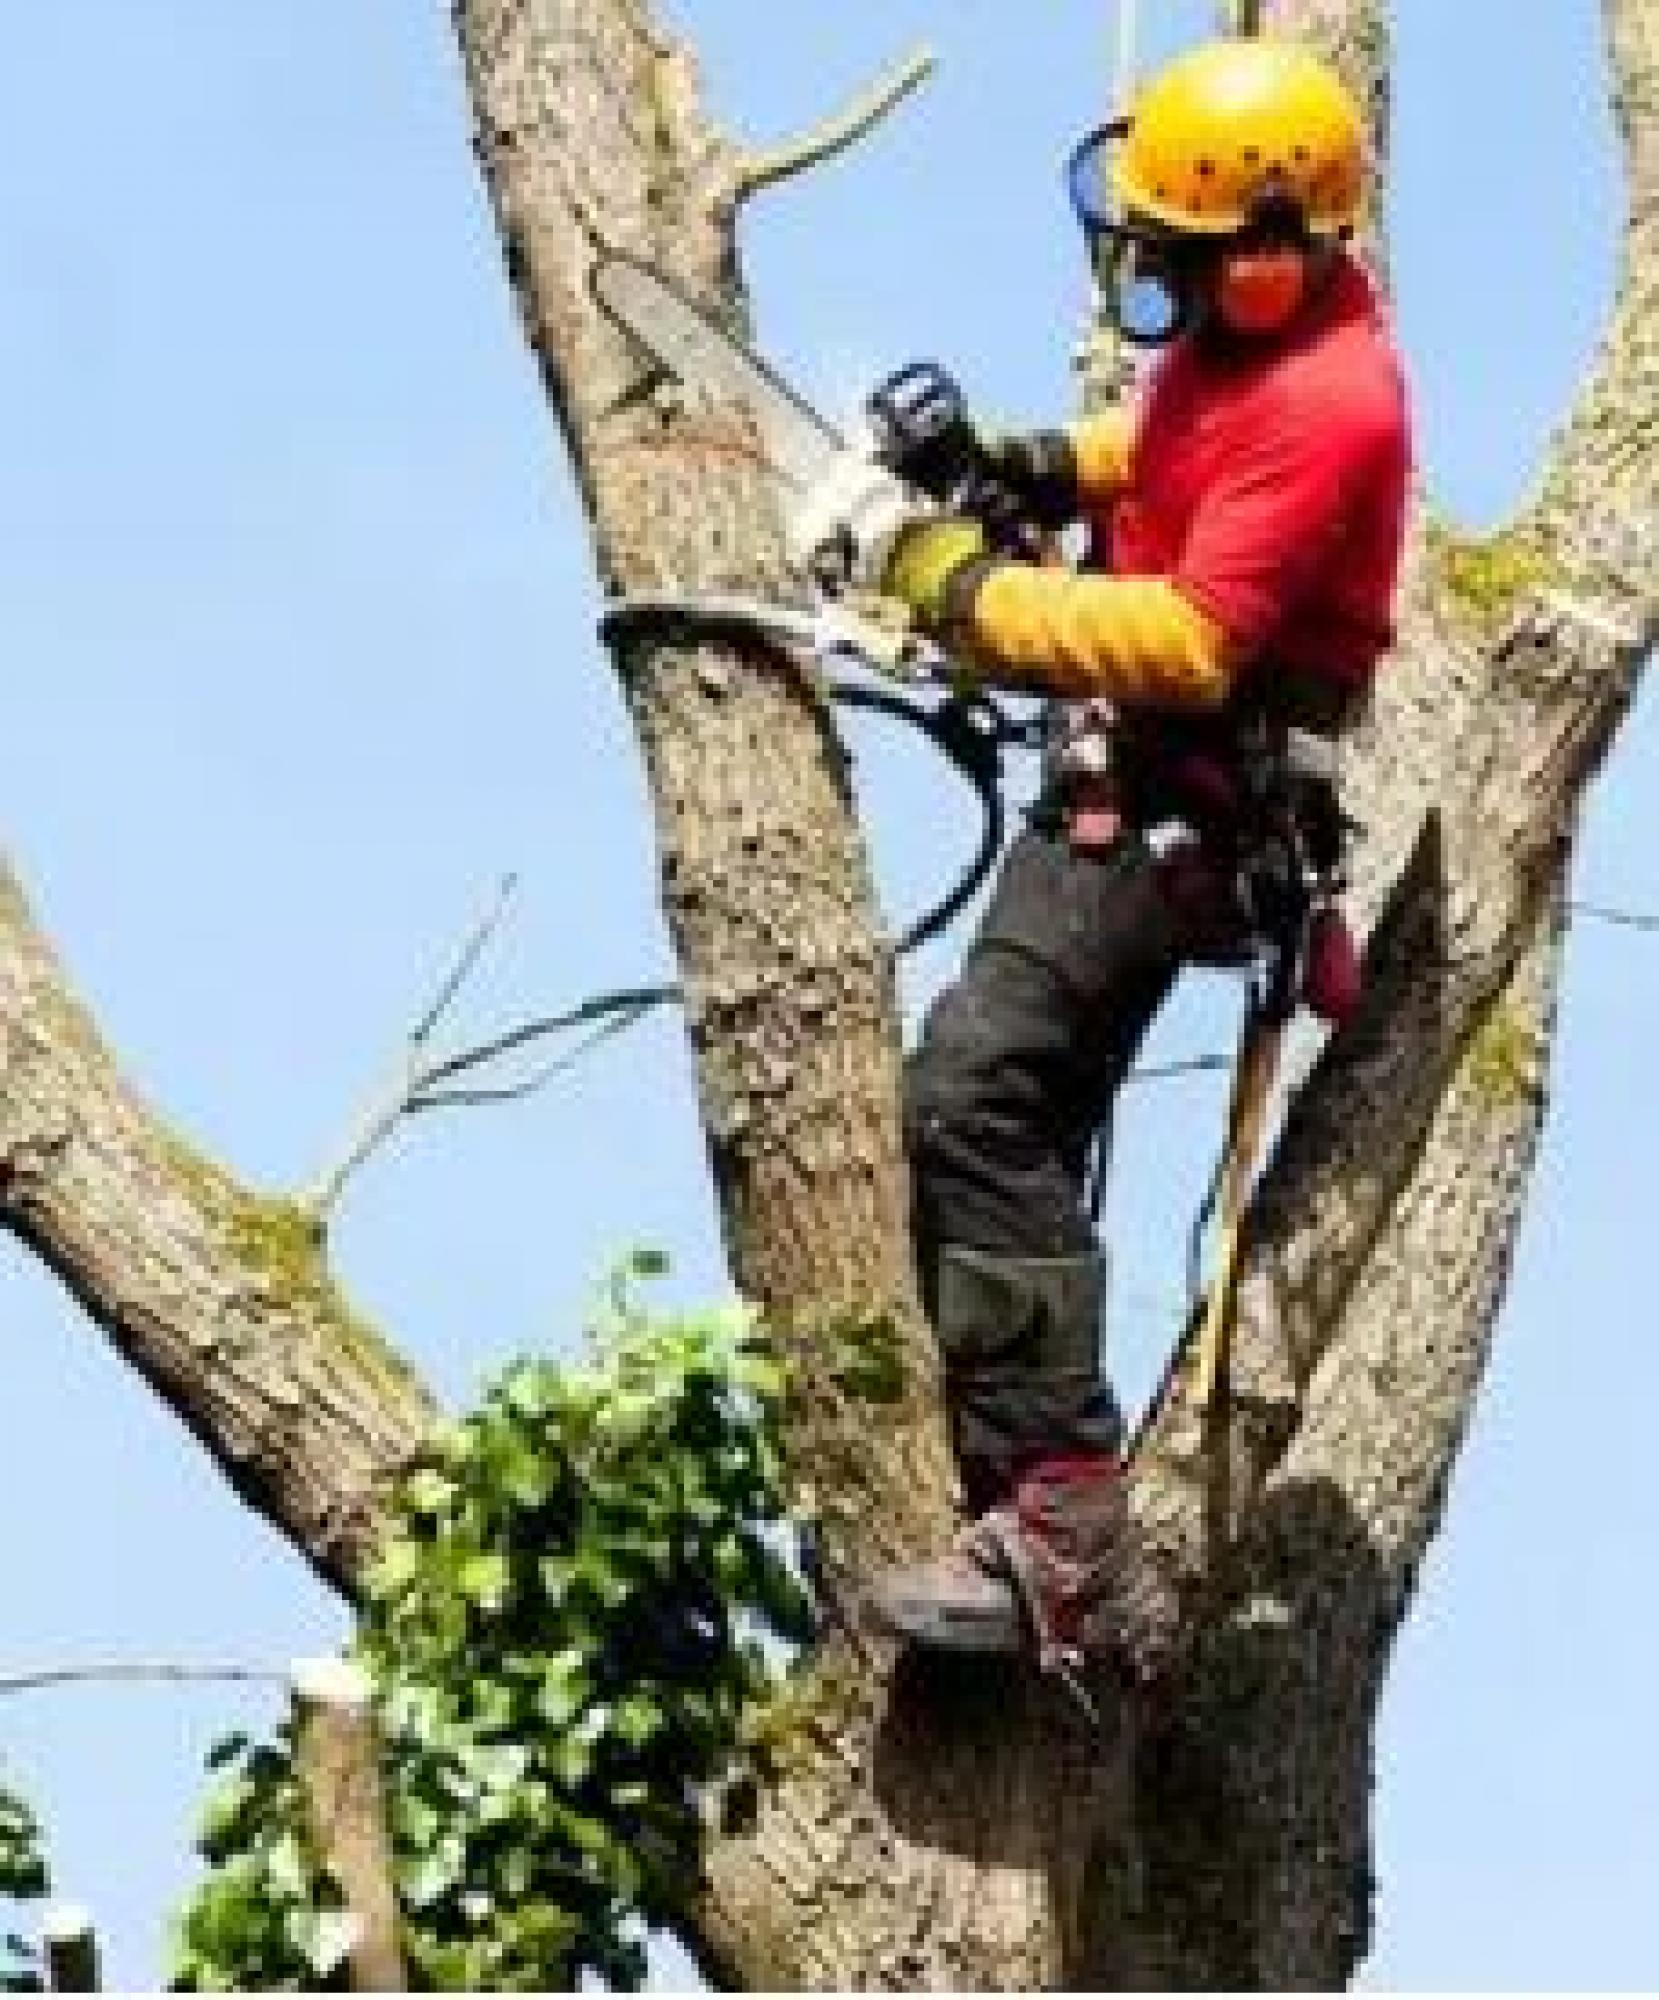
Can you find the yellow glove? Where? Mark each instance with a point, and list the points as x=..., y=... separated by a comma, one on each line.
x=924, y=557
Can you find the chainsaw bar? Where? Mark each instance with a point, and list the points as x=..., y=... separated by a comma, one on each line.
x=801, y=446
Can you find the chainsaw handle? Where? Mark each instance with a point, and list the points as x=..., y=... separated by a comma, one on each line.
x=925, y=436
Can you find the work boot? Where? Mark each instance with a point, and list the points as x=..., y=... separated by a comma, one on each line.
x=1061, y=1567
x=961, y=1602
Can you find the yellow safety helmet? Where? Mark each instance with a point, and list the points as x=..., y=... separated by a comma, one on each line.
x=1235, y=124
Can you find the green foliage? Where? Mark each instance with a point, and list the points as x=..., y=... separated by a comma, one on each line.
x=23, y=1878
x=565, y=1630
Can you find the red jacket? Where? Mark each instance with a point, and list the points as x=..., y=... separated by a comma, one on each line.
x=1254, y=517
x=1271, y=489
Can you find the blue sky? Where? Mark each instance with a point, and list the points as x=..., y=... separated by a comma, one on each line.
x=298, y=615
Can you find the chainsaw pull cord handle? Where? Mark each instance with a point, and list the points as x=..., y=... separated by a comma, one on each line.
x=925, y=436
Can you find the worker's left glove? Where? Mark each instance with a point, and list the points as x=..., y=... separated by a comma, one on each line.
x=922, y=562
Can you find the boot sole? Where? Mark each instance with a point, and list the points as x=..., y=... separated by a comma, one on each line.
x=946, y=1631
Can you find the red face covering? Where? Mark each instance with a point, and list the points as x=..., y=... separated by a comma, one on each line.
x=1261, y=291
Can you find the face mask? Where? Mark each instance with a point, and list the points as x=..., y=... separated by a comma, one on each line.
x=1260, y=291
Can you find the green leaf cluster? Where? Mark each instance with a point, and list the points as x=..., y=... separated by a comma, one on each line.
x=583, y=1596
x=23, y=1879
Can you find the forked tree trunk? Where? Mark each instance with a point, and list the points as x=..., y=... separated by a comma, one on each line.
x=947, y=1827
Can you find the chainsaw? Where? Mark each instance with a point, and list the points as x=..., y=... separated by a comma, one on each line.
x=917, y=451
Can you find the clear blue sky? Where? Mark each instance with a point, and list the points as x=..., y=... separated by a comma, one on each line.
x=297, y=615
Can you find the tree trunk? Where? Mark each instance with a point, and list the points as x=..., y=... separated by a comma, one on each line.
x=941, y=1826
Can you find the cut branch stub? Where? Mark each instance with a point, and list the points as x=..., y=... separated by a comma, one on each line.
x=337, y=1756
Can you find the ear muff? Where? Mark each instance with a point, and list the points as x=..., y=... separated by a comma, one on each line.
x=1261, y=290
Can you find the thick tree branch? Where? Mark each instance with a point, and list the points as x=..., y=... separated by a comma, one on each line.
x=218, y=1296
x=589, y=127
x=1595, y=524
x=1384, y=1229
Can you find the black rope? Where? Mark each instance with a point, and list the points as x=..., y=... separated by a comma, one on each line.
x=971, y=733
x=969, y=730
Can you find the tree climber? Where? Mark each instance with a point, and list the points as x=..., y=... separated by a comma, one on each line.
x=1250, y=513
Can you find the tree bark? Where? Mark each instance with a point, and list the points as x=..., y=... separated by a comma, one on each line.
x=338, y=1756
x=930, y=1826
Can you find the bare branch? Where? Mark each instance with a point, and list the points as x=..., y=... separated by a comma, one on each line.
x=380, y=1118
x=1604, y=913
x=1595, y=522
x=628, y=1004
x=374, y=1126
x=467, y=958
x=110, y=1673
x=512, y=1093
x=756, y=171
x=409, y=1090
x=1187, y=1066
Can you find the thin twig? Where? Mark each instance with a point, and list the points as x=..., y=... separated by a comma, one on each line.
x=373, y=1127
x=756, y=171
x=1630, y=920
x=1188, y=1066
x=124, y=1671
x=472, y=949
x=389, y=1105
x=512, y=1093
x=630, y=1001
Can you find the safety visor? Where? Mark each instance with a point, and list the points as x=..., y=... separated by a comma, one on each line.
x=1144, y=271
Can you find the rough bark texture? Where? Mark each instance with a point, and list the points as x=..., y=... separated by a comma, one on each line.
x=930, y=1827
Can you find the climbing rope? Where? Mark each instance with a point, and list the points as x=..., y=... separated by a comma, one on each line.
x=970, y=731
